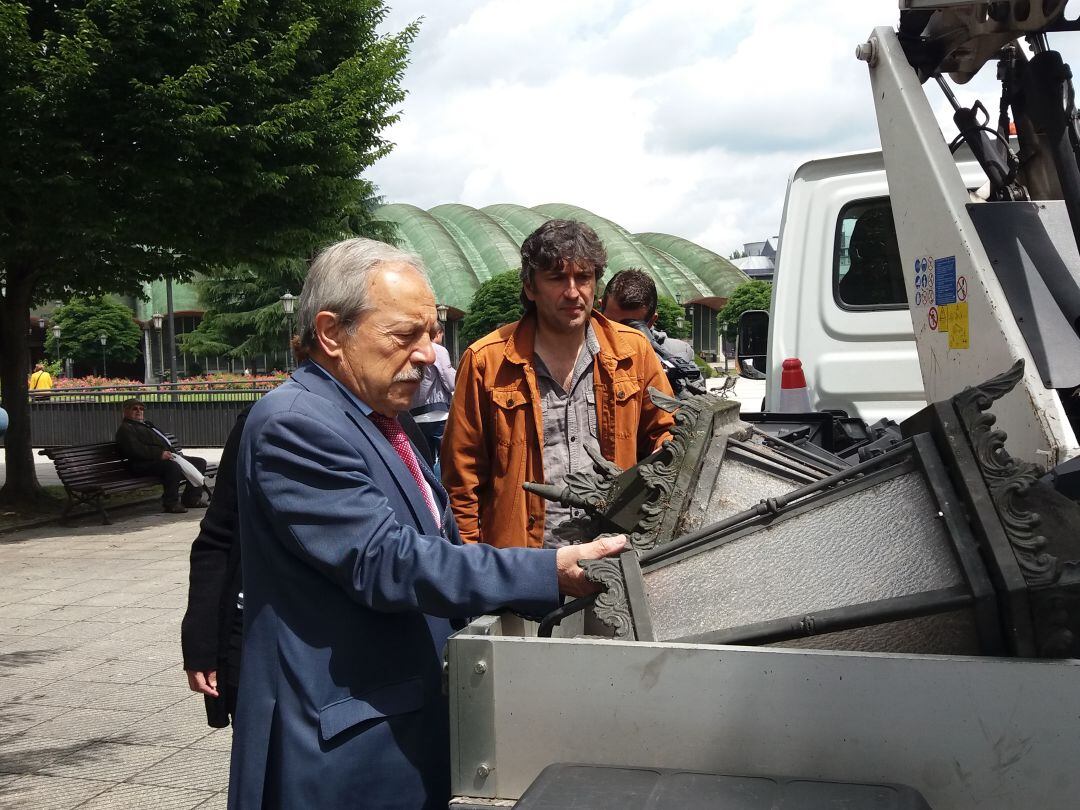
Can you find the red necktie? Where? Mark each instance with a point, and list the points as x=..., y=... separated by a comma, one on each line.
x=392, y=430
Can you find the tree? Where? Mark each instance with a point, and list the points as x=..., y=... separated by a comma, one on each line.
x=737, y=254
x=748, y=295
x=140, y=140
x=669, y=312
x=497, y=301
x=83, y=320
x=243, y=315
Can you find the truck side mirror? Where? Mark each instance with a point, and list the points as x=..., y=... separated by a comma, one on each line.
x=752, y=343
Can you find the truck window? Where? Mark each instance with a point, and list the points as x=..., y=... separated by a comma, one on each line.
x=867, y=272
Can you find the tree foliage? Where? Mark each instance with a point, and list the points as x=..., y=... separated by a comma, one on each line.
x=748, y=295
x=668, y=313
x=140, y=139
x=244, y=315
x=497, y=301
x=83, y=320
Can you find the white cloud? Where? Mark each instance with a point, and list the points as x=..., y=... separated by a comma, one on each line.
x=683, y=117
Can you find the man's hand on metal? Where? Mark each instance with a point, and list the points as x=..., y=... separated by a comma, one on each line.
x=166, y=455
x=572, y=580
x=204, y=683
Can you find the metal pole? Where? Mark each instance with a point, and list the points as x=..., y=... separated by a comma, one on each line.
x=104, y=368
x=172, y=329
x=288, y=343
x=172, y=336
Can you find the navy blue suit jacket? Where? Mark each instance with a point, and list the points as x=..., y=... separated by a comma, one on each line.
x=349, y=583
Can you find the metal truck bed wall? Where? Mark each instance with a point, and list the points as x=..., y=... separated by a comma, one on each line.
x=965, y=732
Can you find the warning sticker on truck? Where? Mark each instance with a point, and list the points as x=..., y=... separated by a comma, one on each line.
x=944, y=295
x=945, y=280
x=953, y=320
x=923, y=291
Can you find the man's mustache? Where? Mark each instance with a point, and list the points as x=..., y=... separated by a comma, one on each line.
x=413, y=374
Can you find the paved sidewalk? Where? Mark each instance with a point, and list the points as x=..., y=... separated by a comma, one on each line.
x=94, y=707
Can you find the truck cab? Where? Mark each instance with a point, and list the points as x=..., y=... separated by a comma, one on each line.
x=839, y=298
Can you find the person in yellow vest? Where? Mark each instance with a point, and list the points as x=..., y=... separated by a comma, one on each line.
x=41, y=381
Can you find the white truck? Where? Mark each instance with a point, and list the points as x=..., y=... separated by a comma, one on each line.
x=895, y=288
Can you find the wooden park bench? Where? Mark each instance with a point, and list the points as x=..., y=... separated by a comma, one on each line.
x=91, y=473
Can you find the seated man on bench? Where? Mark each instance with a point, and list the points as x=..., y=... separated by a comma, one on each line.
x=149, y=452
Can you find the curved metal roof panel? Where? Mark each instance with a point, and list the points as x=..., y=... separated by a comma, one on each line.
x=463, y=247
x=719, y=276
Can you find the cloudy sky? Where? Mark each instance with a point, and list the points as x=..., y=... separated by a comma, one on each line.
x=680, y=116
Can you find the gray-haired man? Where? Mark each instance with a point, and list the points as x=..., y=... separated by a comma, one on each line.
x=352, y=562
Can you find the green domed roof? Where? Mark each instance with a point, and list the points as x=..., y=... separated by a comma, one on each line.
x=464, y=247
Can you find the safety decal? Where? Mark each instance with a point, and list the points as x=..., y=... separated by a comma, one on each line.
x=961, y=288
x=932, y=319
x=945, y=280
x=923, y=289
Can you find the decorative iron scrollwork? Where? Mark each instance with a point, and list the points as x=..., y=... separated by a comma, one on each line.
x=1007, y=478
x=612, y=606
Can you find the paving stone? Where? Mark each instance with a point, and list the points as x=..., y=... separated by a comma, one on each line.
x=114, y=599
x=70, y=694
x=167, y=600
x=23, y=754
x=16, y=718
x=50, y=597
x=219, y=740
x=32, y=626
x=104, y=648
x=190, y=768
x=143, y=633
x=129, y=672
x=74, y=613
x=140, y=797
x=53, y=792
x=22, y=610
x=85, y=724
x=167, y=651
x=12, y=686
x=52, y=665
x=134, y=615
x=147, y=698
x=83, y=630
x=180, y=725
x=170, y=675
x=105, y=761
x=219, y=801
x=10, y=596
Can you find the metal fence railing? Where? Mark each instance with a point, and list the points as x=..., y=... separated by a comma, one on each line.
x=200, y=414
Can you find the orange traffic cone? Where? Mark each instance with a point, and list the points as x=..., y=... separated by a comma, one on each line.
x=794, y=394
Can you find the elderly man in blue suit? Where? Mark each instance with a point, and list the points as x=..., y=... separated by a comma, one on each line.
x=352, y=563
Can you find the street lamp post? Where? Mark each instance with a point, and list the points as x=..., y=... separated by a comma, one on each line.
x=442, y=312
x=288, y=303
x=104, y=339
x=157, y=318
x=59, y=350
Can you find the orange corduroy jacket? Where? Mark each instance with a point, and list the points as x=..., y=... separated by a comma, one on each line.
x=493, y=443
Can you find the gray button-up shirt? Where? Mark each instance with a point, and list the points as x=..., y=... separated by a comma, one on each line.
x=569, y=422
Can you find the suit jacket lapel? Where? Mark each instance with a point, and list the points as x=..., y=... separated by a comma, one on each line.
x=314, y=381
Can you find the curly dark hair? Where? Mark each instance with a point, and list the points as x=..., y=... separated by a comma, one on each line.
x=555, y=243
x=633, y=288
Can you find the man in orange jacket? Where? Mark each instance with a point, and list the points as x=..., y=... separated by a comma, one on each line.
x=531, y=395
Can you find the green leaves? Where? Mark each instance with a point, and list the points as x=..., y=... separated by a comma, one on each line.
x=83, y=320
x=669, y=312
x=748, y=295
x=495, y=302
